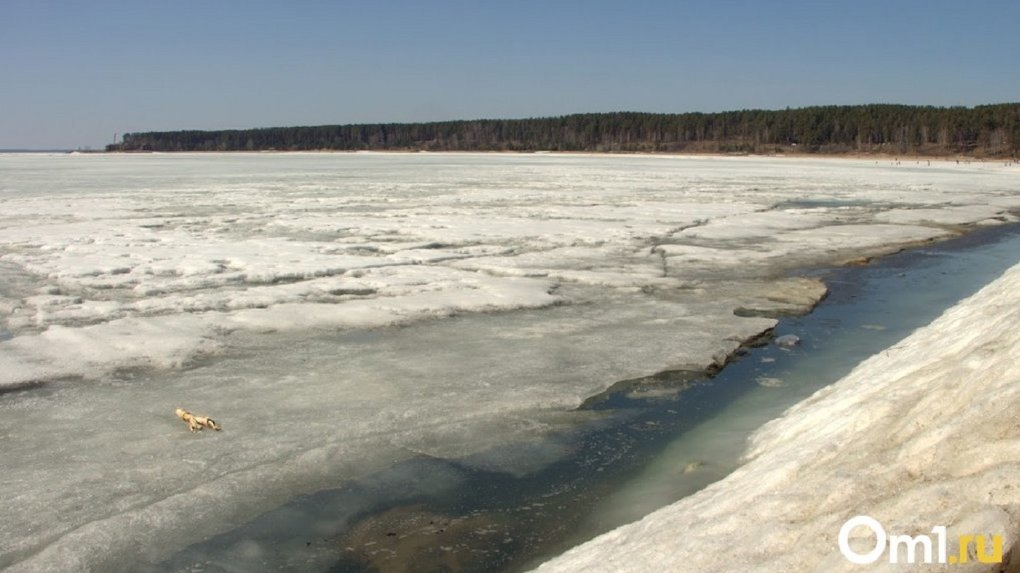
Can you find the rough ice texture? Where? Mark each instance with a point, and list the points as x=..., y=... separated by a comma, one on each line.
x=922, y=434
x=337, y=242
x=297, y=299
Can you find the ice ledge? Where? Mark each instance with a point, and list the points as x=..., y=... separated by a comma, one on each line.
x=922, y=434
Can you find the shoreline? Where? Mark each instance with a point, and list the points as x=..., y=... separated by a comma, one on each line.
x=884, y=156
x=806, y=472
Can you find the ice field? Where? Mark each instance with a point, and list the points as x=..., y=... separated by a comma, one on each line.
x=338, y=313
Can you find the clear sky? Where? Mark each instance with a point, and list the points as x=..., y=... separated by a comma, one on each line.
x=74, y=73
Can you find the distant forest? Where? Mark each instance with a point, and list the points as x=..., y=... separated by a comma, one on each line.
x=981, y=131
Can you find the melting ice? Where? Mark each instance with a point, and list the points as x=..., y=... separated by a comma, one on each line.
x=338, y=313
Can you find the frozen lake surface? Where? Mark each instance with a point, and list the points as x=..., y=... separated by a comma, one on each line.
x=657, y=444
x=341, y=313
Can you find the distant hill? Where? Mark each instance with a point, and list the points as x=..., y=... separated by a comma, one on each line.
x=982, y=131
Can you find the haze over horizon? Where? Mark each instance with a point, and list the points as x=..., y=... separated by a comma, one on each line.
x=76, y=74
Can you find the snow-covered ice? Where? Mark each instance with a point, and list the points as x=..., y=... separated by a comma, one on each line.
x=920, y=435
x=339, y=312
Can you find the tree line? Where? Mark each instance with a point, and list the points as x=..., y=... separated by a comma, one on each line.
x=986, y=130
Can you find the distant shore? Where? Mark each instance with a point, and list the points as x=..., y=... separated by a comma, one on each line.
x=877, y=156
x=982, y=131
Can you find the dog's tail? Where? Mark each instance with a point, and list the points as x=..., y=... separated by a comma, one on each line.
x=208, y=423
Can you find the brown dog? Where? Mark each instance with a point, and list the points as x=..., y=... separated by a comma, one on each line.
x=196, y=423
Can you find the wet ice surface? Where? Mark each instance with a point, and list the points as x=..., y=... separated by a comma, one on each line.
x=922, y=433
x=294, y=298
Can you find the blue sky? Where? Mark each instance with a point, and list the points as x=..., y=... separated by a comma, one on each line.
x=74, y=73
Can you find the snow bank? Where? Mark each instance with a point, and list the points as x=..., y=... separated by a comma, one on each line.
x=920, y=435
x=92, y=351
